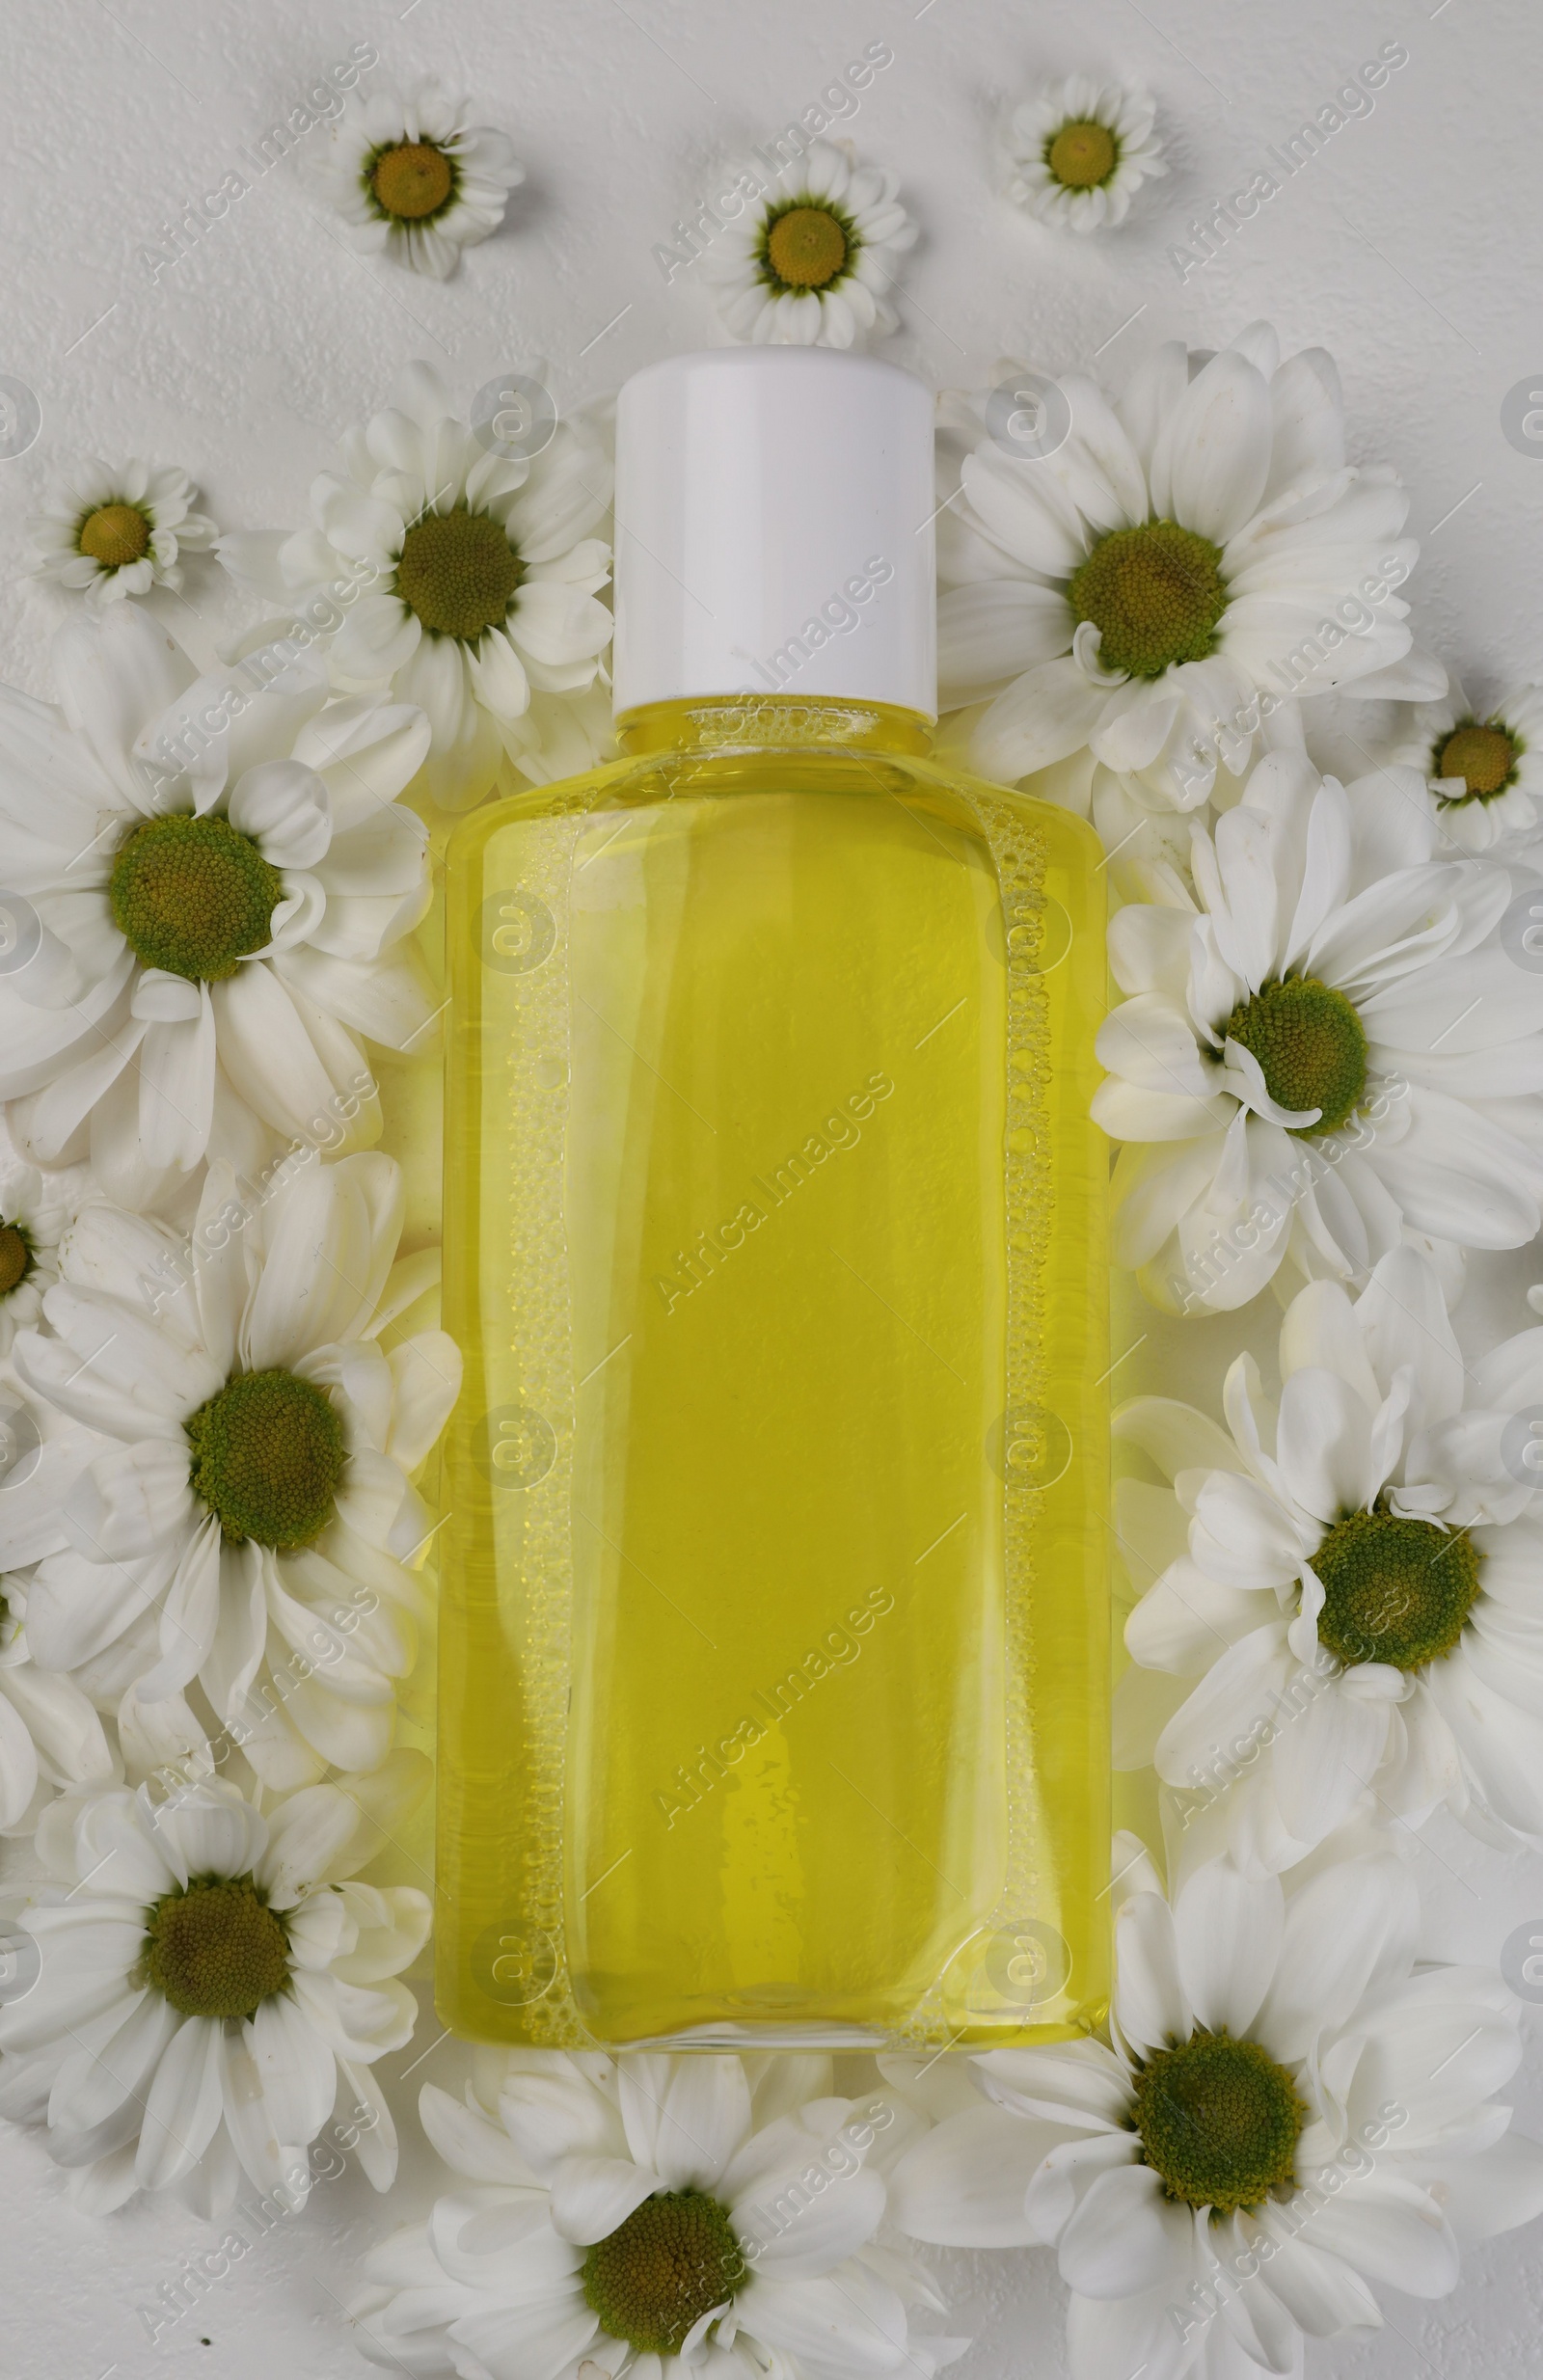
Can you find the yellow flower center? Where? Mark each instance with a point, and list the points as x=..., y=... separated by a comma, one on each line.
x=459, y=572
x=217, y=1949
x=267, y=1455
x=114, y=536
x=412, y=180
x=807, y=246
x=674, y=2258
x=192, y=896
x=1082, y=156
x=1155, y=593
x=1311, y=1045
x=1483, y=757
x=1394, y=1590
x=16, y=1258
x=1219, y=2120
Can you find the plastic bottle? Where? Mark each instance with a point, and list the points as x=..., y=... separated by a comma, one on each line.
x=773, y=1646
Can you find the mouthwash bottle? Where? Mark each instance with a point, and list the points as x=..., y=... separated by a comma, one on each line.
x=773, y=1652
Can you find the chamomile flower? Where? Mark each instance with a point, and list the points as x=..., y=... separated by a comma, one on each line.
x=215, y=886
x=52, y=1739
x=35, y=1209
x=245, y=1522
x=470, y=576
x=1326, y=1047
x=415, y=179
x=1354, y=1613
x=1080, y=152
x=1152, y=578
x=117, y=529
x=209, y=1990
x=1485, y=771
x=814, y=262
x=654, y=2214
x=1289, y=2115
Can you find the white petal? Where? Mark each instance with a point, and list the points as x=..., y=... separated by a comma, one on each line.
x=177, y=1066
x=1151, y=2003
x=296, y=2071
x=183, y=2105
x=846, y=2327
x=305, y=1834
x=1125, y=2236
x=961, y=2184
x=685, y=2116
x=1041, y=717
x=130, y=1499
x=469, y=2141
x=330, y=1237
x=556, y=2113
x=1496, y=2190
x=1078, y=2083
x=1389, y=2231
x=1111, y=2339
x=824, y=2229
x=1212, y=456
x=426, y=1382
x=1325, y=1758
x=210, y=1830
x=593, y=2197
x=286, y=809
x=1228, y=1934
x=1346, y=1929
x=1324, y=1446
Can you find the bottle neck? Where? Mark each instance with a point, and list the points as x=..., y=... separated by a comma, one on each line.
x=736, y=722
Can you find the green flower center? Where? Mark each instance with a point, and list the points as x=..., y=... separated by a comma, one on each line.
x=15, y=1256
x=267, y=1455
x=412, y=180
x=674, y=2258
x=192, y=896
x=1484, y=757
x=1219, y=2120
x=1311, y=1045
x=459, y=572
x=1082, y=156
x=806, y=247
x=1155, y=593
x=217, y=1949
x=114, y=536
x=1394, y=1590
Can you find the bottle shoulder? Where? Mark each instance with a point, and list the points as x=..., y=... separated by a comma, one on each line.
x=729, y=772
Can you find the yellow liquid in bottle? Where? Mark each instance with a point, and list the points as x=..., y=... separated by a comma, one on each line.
x=773, y=1654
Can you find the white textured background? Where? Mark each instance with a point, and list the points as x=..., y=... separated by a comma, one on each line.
x=1410, y=246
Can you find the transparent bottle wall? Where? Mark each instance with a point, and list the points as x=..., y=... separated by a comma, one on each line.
x=774, y=1656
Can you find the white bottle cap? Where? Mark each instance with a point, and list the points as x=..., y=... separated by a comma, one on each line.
x=773, y=530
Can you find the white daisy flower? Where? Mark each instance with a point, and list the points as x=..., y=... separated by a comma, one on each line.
x=1486, y=772
x=246, y=1523
x=1289, y=2114
x=116, y=529
x=654, y=2215
x=35, y=1209
x=1326, y=1045
x=1168, y=570
x=209, y=1992
x=219, y=884
x=1080, y=152
x=414, y=178
x=52, y=1739
x=1353, y=1612
x=814, y=262
x=469, y=579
